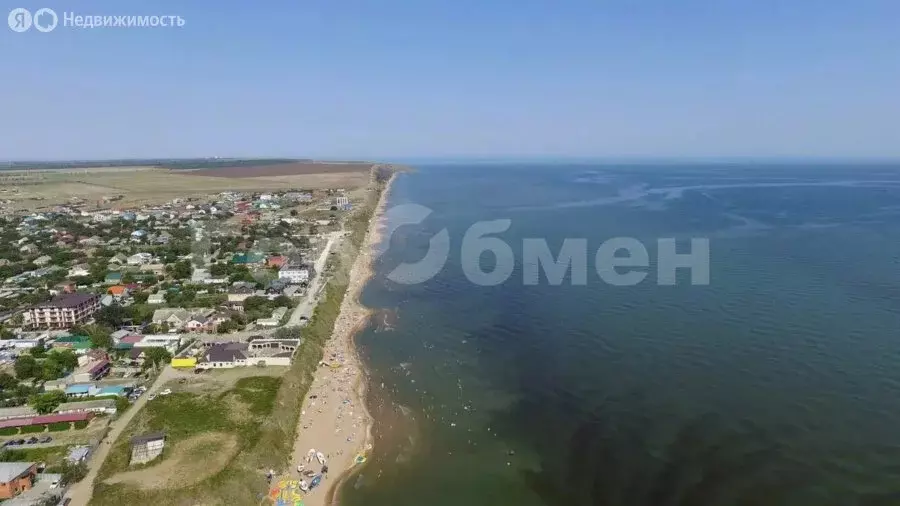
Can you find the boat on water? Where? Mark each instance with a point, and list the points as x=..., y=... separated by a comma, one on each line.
x=315, y=481
x=321, y=458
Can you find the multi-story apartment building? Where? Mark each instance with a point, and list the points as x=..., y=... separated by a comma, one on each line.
x=63, y=312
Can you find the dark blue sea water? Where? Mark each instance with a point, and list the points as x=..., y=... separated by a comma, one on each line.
x=778, y=383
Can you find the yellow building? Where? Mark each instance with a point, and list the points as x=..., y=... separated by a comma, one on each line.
x=184, y=362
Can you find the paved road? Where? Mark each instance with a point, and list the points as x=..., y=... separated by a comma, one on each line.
x=80, y=493
x=308, y=304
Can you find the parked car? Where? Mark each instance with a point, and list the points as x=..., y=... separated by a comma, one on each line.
x=151, y=397
x=32, y=440
x=9, y=443
x=46, y=439
x=20, y=442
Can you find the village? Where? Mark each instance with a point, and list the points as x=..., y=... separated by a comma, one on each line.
x=101, y=305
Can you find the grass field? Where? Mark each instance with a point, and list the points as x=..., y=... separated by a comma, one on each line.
x=53, y=456
x=152, y=185
x=261, y=411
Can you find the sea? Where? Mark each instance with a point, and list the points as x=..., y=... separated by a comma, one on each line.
x=775, y=382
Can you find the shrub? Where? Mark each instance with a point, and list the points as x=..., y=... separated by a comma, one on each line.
x=33, y=429
x=82, y=424
x=59, y=426
x=9, y=431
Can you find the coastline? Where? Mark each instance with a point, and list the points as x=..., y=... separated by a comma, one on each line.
x=334, y=419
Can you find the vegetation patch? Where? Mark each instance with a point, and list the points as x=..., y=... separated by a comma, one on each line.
x=33, y=429
x=9, y=431
x=59, y=427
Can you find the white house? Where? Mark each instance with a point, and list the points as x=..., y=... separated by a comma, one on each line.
x=273, y=320
x=139, y=259
x=294, y=273
x=157, y=298
x=170, y=342
x=79, y=270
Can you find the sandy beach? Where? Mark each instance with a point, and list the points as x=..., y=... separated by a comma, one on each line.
x=334, y=420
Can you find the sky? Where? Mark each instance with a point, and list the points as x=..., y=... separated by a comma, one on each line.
x=387, y=79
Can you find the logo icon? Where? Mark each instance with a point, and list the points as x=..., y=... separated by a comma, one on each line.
x=45, y=20
x=19, y=20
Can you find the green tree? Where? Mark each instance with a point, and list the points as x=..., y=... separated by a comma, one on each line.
x=227, y=326
x=100, y=336
x=47, y=402
x=26, y=367
x=7, y=382
x=73, y=472
x=113, y=316
x=288, y=333
x=38, y=351
x=66, y=358
x=218, y=270
x=156, y=356
x=180, y=270
x=51, y=370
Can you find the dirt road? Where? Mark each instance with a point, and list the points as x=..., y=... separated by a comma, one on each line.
x=80, y=493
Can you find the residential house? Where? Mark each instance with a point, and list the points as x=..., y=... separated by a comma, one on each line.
x=294, y=273
x=79, y=271
x=113, y=278
x=139, y=259
x=16, y=478
x=157, y=298
x=276, y=261
x=240, y=293
x=200, y=323
x=64, y=311
x=274, y=320
x=138, y=235
x=248, y=258
x=42, y=260
x=224, y=356
x=175, y=318
x=119, y=259
x=64, y=287
x=99, y=406
x=118, y=291
x=93, y=370
x=28, y=249
x=170, y=342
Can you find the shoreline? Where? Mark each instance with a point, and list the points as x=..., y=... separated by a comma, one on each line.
x=334, y=418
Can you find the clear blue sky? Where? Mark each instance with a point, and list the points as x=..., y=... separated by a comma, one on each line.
x=422, y=78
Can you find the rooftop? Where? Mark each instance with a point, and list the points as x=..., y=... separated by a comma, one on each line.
x=69, y=300
x=12, y=470
x=146, y=438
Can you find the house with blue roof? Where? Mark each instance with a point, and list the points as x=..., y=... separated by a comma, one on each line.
x=79, y=390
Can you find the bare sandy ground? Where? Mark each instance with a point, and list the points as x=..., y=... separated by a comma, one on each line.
x=334, y=420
